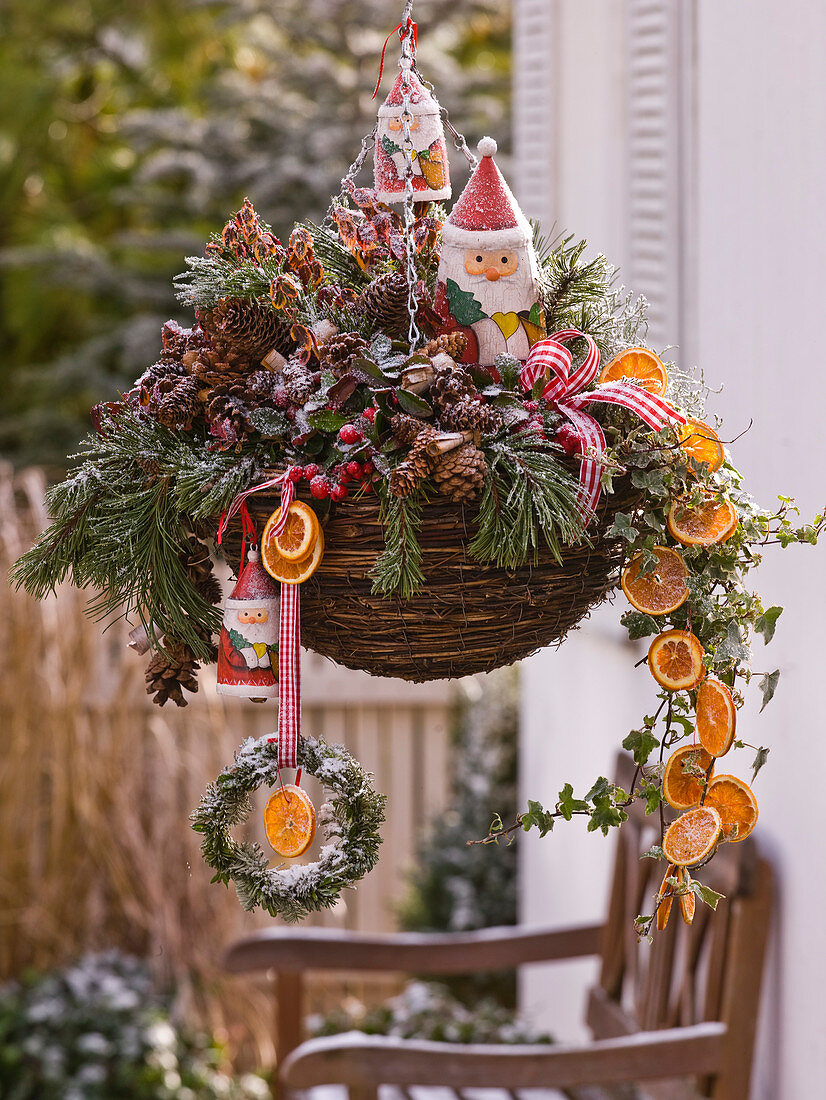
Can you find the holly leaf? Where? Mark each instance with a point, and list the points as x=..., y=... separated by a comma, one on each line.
x=372, y=372
x=413, y=404
x=463, y=305
x=622, y=528
x=641, y=743
x=706, y=895
x=269, y=422
x=765, y=625
x=537, y=817
x=768, y=685
x=326, y=421
x=342, y=390
x=758, y=762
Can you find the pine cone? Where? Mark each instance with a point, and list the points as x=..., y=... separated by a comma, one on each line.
x=410, y=473
x=228, y=405
x=461, y=473
x=405, y=428
x=171, y=671
x=177, y=341
x=217, y=363
x=471, y=415
x=451, y=343
x=251, y=327
x=337, y=353
x=176, y=405
x=298, y=382
x=450, y=384
x=198, y=565
x=384, y=303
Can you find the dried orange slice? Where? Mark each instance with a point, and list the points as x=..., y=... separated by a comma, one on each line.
x=675, y=659
x=289, y=821
x=735, y=802
x=682, y=789
x=705, y=524
x=693, y=836
x=665, y=899
x=297, y=540
x=688, y=902
x=660, y=591
x=640, y=365
x=716, y=717
x=292, y=572
x=702, y=444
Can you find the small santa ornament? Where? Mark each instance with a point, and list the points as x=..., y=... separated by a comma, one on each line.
x=428, y=152
x=488, y=280
x=248, y=646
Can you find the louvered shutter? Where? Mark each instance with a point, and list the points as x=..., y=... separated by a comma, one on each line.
x=535, y=136
x=658, y=146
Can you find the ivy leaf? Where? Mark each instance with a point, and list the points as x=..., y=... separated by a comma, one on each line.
x=768, y=685
x=622, y=528
x=652, y=481
x=639, y=625
x=413, y=404
x=641, y=743
x=732, y=648
x=758, y=762
x=269, y=422
x=653, y=796
x=537, y=816
x=710, y=897
x=568, y=805
x=654, y=852
x=766, y=623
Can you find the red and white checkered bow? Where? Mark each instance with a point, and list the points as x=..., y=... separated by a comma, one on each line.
x=289, y=626
x=550, y=356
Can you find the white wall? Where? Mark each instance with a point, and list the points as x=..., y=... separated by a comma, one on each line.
x=756, y=300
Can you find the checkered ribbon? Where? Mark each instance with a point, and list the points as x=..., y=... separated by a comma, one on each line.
x=289, y=626
x=551, y=359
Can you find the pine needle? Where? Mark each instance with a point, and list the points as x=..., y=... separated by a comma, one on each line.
x=398, y=568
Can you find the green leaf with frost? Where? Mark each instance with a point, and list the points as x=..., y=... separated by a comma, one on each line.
x=641, y=743
x=767, y=622
x=768, y=685
x=758, y=762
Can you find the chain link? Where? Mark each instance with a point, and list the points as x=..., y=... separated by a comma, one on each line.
x=367, y=143
x=406, y=64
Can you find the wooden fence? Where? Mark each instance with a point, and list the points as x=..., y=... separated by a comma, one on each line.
x=96, y=785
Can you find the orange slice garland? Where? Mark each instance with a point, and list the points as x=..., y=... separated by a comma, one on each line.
x=734, y=801
x=682, y=789
x=693, y=836
x=639, y=365
x=289, y=821
x=298, y=538
x=705, y=524
x=716, y=717
x=702, y=443
x=291, y=572
x=675, y=659
x=665, y=899
x=660, y=591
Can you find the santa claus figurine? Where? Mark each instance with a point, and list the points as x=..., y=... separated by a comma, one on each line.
x=248, y=647
x=428, y=153
x=488, y=280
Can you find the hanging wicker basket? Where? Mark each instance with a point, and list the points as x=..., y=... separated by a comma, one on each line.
x=469, y=617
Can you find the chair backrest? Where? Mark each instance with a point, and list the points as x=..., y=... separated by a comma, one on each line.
x=709, y=971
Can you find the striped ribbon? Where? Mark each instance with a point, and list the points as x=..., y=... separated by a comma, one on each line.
x=551, y=359
x=289, y=626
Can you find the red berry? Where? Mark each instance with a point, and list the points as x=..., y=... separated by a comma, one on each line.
x=566, y=437
x=343, y=477
x=279, y=398
x=290, y=414
x=296, y=473
x=311, y=471
x=320, y=488
x=355, y=471
x=339, y=492
x=370, y=414
x=367, y=468
x=349, y=433
x=531, y=406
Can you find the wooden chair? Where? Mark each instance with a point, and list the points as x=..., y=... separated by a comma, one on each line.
x=681, y=1012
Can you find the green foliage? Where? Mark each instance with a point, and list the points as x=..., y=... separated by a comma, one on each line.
x=98, y=1031
x=398, y=568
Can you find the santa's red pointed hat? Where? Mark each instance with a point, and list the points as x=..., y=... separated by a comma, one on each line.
x=486, y=214
x=255, y=585
x=422, y=101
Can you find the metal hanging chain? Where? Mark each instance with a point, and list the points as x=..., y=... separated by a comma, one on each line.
x=367, y=143
x=458, y=139
x=406, y=64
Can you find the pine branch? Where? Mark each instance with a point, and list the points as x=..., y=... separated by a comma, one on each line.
x=208, y=279
x=398, y=568
x=529, y=498
x=338, y=261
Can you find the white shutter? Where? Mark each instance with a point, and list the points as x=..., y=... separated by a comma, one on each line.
x=535, y=99
x=659, y=50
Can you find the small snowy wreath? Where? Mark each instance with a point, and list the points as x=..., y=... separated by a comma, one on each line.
x=350, y=820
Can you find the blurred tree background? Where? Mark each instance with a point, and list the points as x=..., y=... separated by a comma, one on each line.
x=131, y=131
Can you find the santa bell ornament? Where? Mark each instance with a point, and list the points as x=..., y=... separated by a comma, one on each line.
x=248, y=646
x=428, y=152
x=488, y=280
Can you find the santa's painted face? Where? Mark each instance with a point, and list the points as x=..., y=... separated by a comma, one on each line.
x=253, y=615
x=424, y=130
x=493, y=265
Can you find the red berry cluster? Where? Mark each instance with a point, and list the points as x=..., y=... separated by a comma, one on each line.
x=334, y=483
